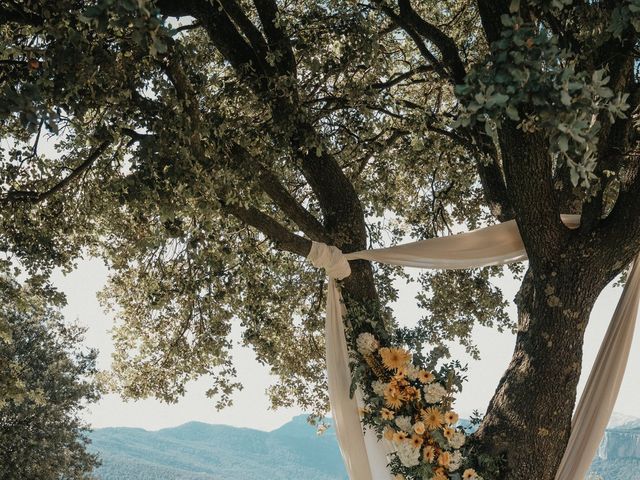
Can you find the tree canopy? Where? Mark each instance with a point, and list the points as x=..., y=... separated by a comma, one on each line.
x=199, y=146
x=46, y=380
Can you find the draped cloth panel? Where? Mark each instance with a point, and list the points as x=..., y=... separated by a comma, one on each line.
x=365, y=457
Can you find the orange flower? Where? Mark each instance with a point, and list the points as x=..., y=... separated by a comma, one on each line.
x=399, y=436
x=432, y=418
x=416, y=441
x=386, y=414
x=426, y=377
x=451, y=417
x=469, y=474
x=439, y=474
x=419, y=428
x=389, y=433
x=394, y=358
x=393, y=398
x=444, y=459
x=429, y=454
x=448, y=432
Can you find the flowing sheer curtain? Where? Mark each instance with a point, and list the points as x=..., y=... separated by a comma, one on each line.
x=365, y=457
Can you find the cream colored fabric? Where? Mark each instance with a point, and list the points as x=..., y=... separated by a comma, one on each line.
x=365, y=457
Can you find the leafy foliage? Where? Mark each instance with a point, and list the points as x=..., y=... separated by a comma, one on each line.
x=47, y=379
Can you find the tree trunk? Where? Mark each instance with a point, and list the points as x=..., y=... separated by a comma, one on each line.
x=529, y=418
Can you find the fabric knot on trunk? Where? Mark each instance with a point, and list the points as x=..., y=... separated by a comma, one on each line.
x=331, y=259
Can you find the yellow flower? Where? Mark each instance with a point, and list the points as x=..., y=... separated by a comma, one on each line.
x=389, y=433
x=469, y=474
x=399, y=476
x=432, y=418
x=400, y=436
x=448, y=432
x=426, y=377
x=439, y=474
x=429, y=454
x=393, y=398
x=416, y=441
x=444, y=459
x=386, y=414
x=451, y=417
x=394, y=358
x=419, y=428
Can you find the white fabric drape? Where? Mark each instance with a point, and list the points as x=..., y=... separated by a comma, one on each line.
x=365, y=457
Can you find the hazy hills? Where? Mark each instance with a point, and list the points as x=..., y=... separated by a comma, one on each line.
x=199, y=451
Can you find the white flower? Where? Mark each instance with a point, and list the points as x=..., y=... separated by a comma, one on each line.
x=379, y=387
x=411, y=372
x=367, y=343
x=455, y=462
x=457, y=440
x=434, y=392
x=408, y=456
x=404, y=423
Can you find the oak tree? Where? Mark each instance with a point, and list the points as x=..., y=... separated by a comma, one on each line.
x=201, y=145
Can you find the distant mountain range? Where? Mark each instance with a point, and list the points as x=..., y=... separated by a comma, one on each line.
x=199, y=451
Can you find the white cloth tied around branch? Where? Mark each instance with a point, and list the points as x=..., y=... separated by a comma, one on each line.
x=364, y=456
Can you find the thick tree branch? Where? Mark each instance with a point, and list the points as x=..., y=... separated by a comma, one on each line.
x=491, y=12
x=279, y=235
x=252, y=168
x=445, y=44
x=276, y=37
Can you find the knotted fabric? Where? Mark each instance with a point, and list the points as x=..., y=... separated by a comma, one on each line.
x=365, y=457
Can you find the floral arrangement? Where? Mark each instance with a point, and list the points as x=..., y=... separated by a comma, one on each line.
x=411, y=408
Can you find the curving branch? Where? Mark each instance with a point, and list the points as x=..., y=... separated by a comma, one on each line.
x=32, y=196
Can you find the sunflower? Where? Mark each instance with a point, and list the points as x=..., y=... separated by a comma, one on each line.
x=394, y=358
x=451, y=417
x=429, y=454
x=386, y=414
x=416, y=441
x=432, y=418
x=444, y=459
x=426, y=377
x=469, y=474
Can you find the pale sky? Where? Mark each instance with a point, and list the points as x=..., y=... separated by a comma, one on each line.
x=251, y=407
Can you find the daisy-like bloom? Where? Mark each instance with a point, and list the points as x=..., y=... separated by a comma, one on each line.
x=400, y=437
x=429, y=454
x=412, y=393
x=419, y=428
x=386, y=414
x=439, y=474
x=432, y=418
x=416, y=441
x=388, y=433
x=393, y=397
x=444, y=459
x=426, y=377
x=366, y=343
x=469, y=474
x=394, y=358
x=399, y=476
x=451, y=417
x=448, y=433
